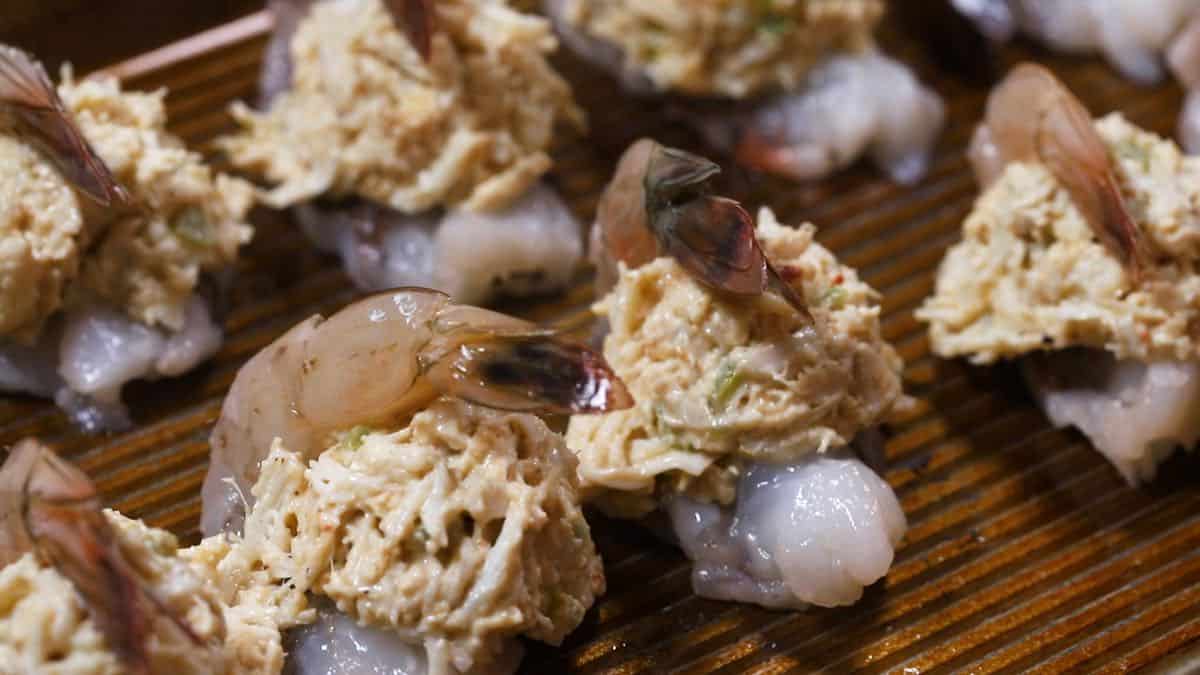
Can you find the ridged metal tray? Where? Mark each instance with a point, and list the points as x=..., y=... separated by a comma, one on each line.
x=1025, y=553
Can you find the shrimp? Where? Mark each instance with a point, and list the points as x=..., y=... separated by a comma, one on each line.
x=1032, y=116
x=50, y=508
x=31, y=108
x=1184, y=60
x=385, y=357
x=658, y=202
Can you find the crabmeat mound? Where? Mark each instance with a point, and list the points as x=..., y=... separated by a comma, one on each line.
x=1030, y=275
x=729, y=48
x=722, y=383
x=59, y=250
x=458, y=532
x=366, y=116
x=45, y=627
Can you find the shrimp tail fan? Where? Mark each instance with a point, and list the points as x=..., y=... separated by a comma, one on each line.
x=1032, y=116
x=533, y=371
x=60, y=520
x=37, y=114
x=710, y=237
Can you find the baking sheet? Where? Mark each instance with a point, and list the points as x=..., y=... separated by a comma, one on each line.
x=1025, y=553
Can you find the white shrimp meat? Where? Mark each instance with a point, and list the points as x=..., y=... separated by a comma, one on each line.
x=850, y=106
x=532, y=247
x=335, y=644
x=814, y=532
x=1131, y=34
x=85, y=362
x=1135, y=413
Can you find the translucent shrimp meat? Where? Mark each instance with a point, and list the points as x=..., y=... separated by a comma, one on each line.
x=530, y=248
x=1131, y=34
x=1135, y=413
x=382, y=357
x=86, y=361
x=816, y=532
x=850, y=106
x=1184, y=59
x=336, y=644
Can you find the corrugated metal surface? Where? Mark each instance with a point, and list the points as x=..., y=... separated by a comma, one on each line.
x=1026, y=552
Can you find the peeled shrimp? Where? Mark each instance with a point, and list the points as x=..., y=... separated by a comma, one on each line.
x=816, y=531
x=1134, y=413
x=658, y=202
x=1132, y=34
x=849, y=106
x=1184, y=60
x=1031, y=116
x=50, y=508
x=382, y=358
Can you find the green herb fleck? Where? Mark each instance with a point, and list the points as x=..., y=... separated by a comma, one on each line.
x=776, y=24
x=191, y=226
x=834, y=296
x=353, y=439
x=579, y=528
x=728, y=379
x=1135, y=152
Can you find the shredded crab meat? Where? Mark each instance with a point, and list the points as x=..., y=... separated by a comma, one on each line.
x=366, y=116
x=721, y=382
x=1030, y=275
x=728, y=48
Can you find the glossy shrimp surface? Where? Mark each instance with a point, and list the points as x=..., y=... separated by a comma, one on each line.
x=658, y=203
x=50, y=508
x=384, y=358
x=1032, y=116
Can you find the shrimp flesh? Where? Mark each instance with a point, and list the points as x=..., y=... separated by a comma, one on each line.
x=1131, y=34
x=659, y=202
x=50, y=508
x=849, y=106
x=380, y=359
x=1032, y=116
x=1184, y=60
x=31, y=108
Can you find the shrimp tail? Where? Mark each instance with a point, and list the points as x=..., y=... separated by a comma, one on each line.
x=531, y=372
x=63, y=524
x=416, y=17
x=38, y=114
x=711, y=237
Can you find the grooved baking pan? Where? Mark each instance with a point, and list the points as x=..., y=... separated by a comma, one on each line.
x=1025, y=552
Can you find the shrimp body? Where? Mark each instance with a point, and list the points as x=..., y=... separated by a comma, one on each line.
x=383, y=358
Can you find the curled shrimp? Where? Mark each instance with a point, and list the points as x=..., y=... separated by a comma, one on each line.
x=1032, y=116
x=50, y=508
x=383, y=358
x=659, y=203
x=30, y=106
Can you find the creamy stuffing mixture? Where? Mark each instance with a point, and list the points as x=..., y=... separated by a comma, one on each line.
x=366, y=116
x=731, y=48
x=459, y=531
x=721, y=383
x=58, y=249
x=1030, y=275
x=45, y=627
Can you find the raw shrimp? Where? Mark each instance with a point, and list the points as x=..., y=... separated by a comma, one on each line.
x=1031, y=116
x=51, y=509
x=1136, y=413
x=849, y=106
x=384, y=357
x=1132, y=34
x=659, y=202
x=1184, y=60
x=30, y=106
